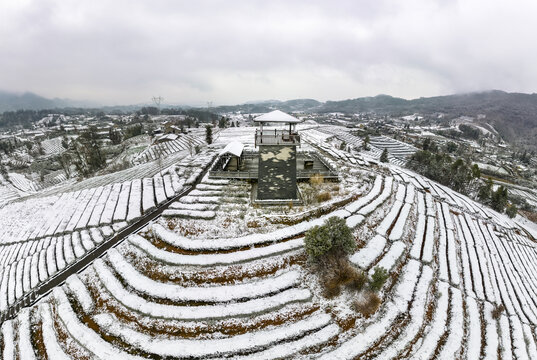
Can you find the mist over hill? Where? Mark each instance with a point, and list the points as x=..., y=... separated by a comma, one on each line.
x=27, y=101
x=514, y=115
x=11, y=101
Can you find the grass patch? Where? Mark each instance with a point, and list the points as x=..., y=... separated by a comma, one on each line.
x=497, y=311
x=368, y=305
x=323, y=196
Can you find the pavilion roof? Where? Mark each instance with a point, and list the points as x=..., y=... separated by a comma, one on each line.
x=277, y=116
x=234, y=148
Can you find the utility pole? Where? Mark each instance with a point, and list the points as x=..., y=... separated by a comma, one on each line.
x=157, y=100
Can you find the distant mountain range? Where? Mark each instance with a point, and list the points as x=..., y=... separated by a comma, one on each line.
x=10, y=101
x=13, y=101
x=514, y=115
x=256, y=107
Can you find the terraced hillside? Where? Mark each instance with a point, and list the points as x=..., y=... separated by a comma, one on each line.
x=184, y=143
x=8, y=193
x=210, y=279
x=33, y=249
x=398, y=152
x=52, y=146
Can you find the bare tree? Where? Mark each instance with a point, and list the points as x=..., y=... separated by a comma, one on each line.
x=190, y=145
x=159, y=158
x=65, y=162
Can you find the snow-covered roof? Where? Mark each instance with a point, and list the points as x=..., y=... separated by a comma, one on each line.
x=234, y=148
x=168, y=137
x=277, y=116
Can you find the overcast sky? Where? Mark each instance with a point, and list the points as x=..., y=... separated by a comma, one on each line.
x=227, y=52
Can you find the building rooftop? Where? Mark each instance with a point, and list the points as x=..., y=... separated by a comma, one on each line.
x=234, y=148
x=168, y=137
x=277, y=116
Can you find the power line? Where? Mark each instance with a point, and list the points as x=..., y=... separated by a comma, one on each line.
x=157, y=100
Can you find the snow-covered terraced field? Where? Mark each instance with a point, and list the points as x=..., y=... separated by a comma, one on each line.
x=53, y=146
x=317, y=137
x=35, y=248
x=529, y=195
x=17, y=186
x=462, y=281
x=20, y=182
x=398, y=152
x=396, y=148
x=245, y=135
x=7, y=194
x=163, y=150
x=54, y=178
x=18, y=158
x=146, y=170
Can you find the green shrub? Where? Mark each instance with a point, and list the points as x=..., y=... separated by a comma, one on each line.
x=317, y=242
x=511, y=211
x=328, y=247
x=333, y=238
x=378, y=278
x=384, y=156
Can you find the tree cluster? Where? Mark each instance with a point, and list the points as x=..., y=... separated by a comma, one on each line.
x=223, y=122
x=149, y=110
x=451, y=147
x=7, y=146
x=3, y=170
x=525, y=157
x=457, y=174
x=429, y=145
x=88, y=155
x=384, y=156
x=133, y=130
x=328, y=247
x=209, y=134
x=115, y=136
x=23, y=118
x=365, y=145
x=469, y=132
x=497, y=199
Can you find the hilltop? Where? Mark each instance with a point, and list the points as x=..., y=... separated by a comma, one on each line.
x=512, y=114
x=213, y=276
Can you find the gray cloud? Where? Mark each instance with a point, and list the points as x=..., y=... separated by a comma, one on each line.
x=235, y=51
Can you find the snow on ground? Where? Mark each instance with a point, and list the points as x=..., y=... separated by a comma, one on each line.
x=42, y=235
x=217, y=277
x=493, y=168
